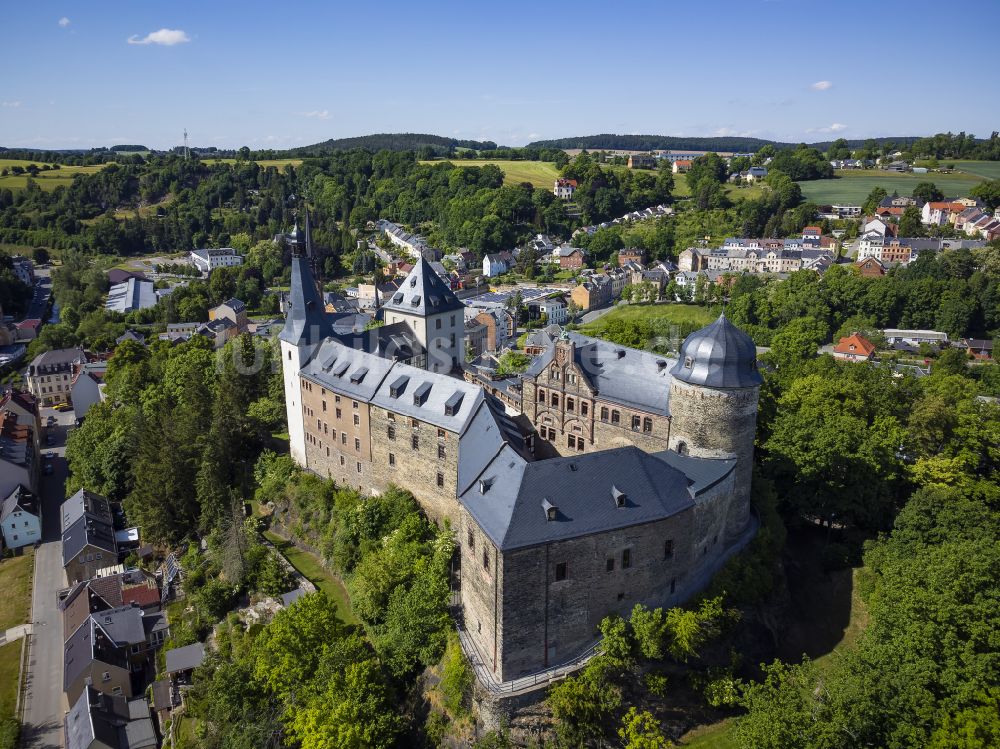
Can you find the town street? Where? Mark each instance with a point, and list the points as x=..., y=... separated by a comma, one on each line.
x=44, y=705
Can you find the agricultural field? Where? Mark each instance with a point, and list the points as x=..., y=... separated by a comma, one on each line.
x=48, y=181
x=984, y=169
x=539, y=173
x=853, y=187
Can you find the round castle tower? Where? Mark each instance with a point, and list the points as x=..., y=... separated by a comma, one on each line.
x=713, y=406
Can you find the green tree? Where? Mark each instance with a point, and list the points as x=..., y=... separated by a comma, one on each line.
x=641, y=730
x=927, y=192
x=875, y=197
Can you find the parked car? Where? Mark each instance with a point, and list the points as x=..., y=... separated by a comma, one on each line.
x=63, y=407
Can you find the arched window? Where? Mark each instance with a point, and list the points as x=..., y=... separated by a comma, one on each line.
x=682, y=448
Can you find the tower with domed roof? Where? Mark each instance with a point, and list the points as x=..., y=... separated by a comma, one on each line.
x=713, y=406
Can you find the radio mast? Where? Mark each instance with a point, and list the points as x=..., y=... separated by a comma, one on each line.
x=186, y=154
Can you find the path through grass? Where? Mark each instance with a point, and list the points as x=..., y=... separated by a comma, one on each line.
x=312, y=568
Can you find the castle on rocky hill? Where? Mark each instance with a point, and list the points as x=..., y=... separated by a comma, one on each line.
x=626, y=479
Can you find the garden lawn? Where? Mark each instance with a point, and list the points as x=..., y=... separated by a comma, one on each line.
x=538, y=173
x=311, y=568
x=10, y=668
x=674, y=313
x=15, y=582
x=852, y=187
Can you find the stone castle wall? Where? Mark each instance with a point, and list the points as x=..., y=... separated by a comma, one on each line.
x=714, y=423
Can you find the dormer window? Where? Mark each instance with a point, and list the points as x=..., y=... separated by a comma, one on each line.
x=413, y=282
x=618, y=495
x=688, y=362
x=484, y=485
x=551, y=511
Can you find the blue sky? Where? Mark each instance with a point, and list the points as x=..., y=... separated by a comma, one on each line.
x=294, y=72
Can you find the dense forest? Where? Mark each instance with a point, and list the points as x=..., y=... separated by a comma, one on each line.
x=737, y=144
x=394, y=142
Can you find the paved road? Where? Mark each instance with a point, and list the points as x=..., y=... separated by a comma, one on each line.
x=595, y=314
x=44, y=701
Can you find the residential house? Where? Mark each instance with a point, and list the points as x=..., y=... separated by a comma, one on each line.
x=593, y=292
x=681, y=165
x=564, y=188
x=979, y=348
x=18, y=454
x=939, y=213
x=21, y=518
x=27, y=329
x=24, y=270
x=631, y=255
x=24, y=406
x=854, y=347
x=88, y=536
x=104, y=721
x=870, y=267
x=233, y=310
x=88, y=387
x=111, y=651
x=555, y=309
x=846, y=211
x=496, y=264
x=131, y=335
x=542, y=244
x=571, y=258
x=50, y=374
x=120, y=587
x=641, y=161
x=181, y=663
x=208, y=260
x=476, y=337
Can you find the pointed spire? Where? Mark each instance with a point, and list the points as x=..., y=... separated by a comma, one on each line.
x=309, y=249
x=295, y=238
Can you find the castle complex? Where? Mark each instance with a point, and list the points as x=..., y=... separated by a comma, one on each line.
x=626, y=479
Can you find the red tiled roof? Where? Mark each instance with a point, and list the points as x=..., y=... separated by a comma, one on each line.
x=141, y=595
x=855, y=344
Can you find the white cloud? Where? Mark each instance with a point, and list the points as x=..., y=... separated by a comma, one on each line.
x=317, y=114
x=836, y=127
x=164, y=37
x=10, y=104
x=821, y=85
x=64, y=22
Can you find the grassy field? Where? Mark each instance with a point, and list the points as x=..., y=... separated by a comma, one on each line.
x=539, y=173
x=984, y=169
x=679, y=314
x=716, y=736
x=313, y=570
x=15, y=582
x=46, y=180
x=853, y=187
x=10, y=666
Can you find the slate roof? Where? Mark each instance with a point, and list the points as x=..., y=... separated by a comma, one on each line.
x=488, y=432
x=108, y=720
x=702, y=473
x=97, y=640
x=510, y=498
x=395, y=341
x=719, y=355
x=305, y=321
x=185, y=658
x=19, y=498
x=620, y=374
x=346, y=370
x=88, y=531
x=423, y=293
x=85, y=503
x=445, y=393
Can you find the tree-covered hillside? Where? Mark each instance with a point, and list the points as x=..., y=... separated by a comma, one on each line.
x=610, y=141
x=395, y=142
